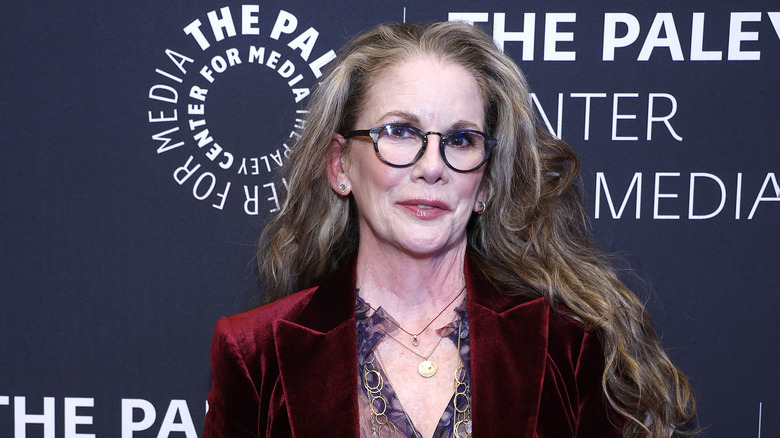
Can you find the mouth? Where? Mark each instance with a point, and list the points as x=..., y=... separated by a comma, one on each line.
x=424, y=208
x=426, y=203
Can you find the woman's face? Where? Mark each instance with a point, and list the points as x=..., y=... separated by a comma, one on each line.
x=422, y=209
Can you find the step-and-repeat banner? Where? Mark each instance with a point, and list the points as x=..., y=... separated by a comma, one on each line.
x=141, y=149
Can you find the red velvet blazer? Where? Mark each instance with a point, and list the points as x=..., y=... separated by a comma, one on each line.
x=290, y=368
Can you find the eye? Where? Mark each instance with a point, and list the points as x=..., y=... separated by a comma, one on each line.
x=398, y=132
x=463, y=139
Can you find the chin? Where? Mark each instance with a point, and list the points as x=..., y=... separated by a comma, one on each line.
x=422, y=245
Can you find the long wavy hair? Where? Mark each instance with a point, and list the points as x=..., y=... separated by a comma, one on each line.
x=532, y=239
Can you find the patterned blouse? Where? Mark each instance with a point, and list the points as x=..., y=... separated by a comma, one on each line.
x=385, y=417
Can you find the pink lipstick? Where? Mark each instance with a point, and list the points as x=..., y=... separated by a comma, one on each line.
x=424, y=208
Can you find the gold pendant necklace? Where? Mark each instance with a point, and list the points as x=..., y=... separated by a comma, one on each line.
x=414, y=336
x=372, y=382
x=427, y=367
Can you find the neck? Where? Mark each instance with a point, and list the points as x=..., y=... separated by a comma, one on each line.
x=411, y=288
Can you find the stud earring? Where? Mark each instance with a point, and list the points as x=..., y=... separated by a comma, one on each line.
x=481, y=207
x=342, y=187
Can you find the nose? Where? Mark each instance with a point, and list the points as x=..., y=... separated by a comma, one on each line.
x=430, y=166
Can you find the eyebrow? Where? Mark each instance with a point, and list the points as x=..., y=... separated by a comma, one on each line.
x=414, y=120
x=403, y=115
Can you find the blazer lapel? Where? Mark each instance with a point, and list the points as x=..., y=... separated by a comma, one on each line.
x=317, y=361
x=318, y=368
x=508, y=357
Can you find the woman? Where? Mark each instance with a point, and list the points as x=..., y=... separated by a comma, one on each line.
x=440, y=233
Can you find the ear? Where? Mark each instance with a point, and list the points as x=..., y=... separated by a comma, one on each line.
x=336, y=166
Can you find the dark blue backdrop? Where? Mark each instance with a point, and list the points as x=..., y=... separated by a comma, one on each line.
x=127, y=229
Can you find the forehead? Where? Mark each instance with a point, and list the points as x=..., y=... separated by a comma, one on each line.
x=428, y=89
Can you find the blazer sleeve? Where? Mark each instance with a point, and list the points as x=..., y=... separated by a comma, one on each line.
x=233, y=402
x=596, y=418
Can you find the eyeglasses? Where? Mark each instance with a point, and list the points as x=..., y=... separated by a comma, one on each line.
x=401, y=145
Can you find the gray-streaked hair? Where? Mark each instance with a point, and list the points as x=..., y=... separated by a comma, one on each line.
x=532, y=238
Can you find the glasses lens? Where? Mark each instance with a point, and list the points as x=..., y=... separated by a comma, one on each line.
x=399, y=144
x=464, y=150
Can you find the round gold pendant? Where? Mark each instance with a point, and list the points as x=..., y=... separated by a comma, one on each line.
x=427, y=368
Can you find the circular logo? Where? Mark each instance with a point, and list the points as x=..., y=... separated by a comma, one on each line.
x=229, y=105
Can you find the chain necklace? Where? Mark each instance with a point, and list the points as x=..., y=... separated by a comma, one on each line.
x=414, y=336
x=379, y=357
x=372, y=382
x=427, y=368
x=462, y=416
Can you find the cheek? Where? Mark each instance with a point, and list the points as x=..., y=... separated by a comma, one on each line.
x=471, y=186
x=368, y=172
x=372, y=181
